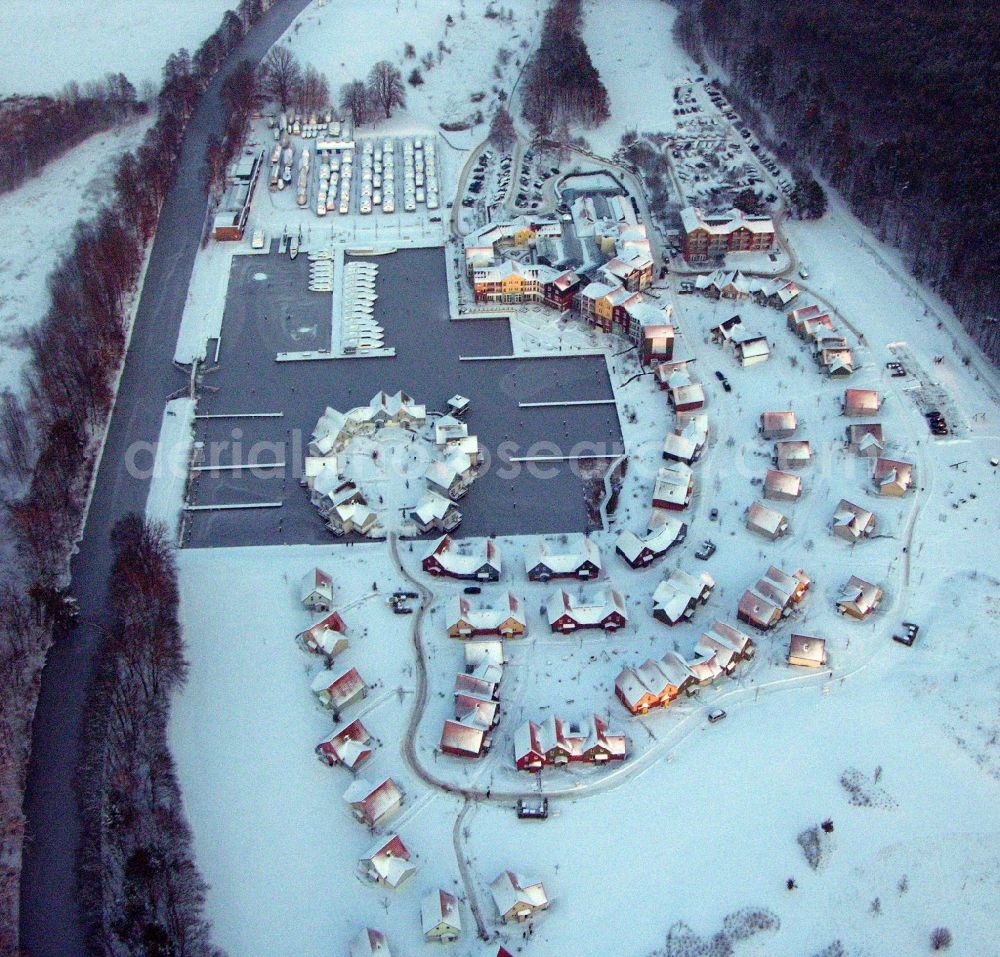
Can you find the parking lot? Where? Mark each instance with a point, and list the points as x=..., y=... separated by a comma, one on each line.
x=266, y=315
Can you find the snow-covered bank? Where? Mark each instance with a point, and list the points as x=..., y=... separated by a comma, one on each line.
x=38, y=220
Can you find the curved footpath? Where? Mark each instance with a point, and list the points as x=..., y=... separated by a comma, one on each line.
x=49, y=917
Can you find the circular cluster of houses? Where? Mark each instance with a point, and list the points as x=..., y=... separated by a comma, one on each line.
x=390, y=441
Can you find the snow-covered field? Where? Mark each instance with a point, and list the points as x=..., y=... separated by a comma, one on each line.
x=38, y=220
x=896, y=746
x=466, y=67
x=105, y=36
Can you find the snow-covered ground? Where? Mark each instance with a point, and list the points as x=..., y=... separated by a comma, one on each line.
x=451, y=88
x=105, y=36
x=639, y=65
x=38, y=220
x=896, y=746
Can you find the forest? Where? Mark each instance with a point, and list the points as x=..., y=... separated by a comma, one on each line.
x=893, y=104
x=34, y=130
x=562, y=85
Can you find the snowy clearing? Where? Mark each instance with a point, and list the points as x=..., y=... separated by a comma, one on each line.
x=31, y=63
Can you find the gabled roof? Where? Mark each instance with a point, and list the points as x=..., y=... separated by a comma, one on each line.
x=462, y=736
x=778, y=421
x=316, y=580
x=722, y=224
x=807, y=648
x=793, y=450
x=437, y=908
x=374, y=801
x=585, y=609
x=860, y=594
x=892, y=472
x=340, y=685
x=866, y=437
x=782, y=483
x=390, y=859
x=852, y=519
x=370, y=943
x=486, y=617
x=467, y=557
x=348, y=743
x=769, y=521
x=511, y=892
x=861, y=401
x=562, y=559
x=758, y=609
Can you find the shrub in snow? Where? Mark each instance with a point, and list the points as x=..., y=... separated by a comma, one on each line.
x=743, y=924
x=809, y=841
x=940, y=938
x=833, y=949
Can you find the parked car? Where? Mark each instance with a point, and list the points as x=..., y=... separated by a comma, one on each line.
x=716, y=715
x=713, y=515
x=719, y=376
x=726, y=386
x=472, y=589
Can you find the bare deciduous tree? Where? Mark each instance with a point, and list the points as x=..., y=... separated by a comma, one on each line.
x=502, y=132
x=314, y=93
x=385, y=86
x=354, y=100
x=15, y=436
x=281, y=75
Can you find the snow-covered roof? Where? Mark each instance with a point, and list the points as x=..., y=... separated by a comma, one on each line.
x=585, y=609
x=782, y=483
x=673, y=484
x=691, y=394
x=431, y=507
x=370, y=943
x=680, y=447
x=866, y=437
x=390, y=860
x=760, y=518
x=489, y=651
x=373, y=801
x=318, y=582
x=758, y=609
x=463, y=736
x=514, y=893
x=440, y=908
x=861, y=595
x=807, y=648
x=861, y=401
x=890, y=472
x=485, y=616
x=771, y=422
x=853, y=520
x=722, y=224
x=339, y=685
x=466, y=557
x=562, y=559
x=793, y=450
